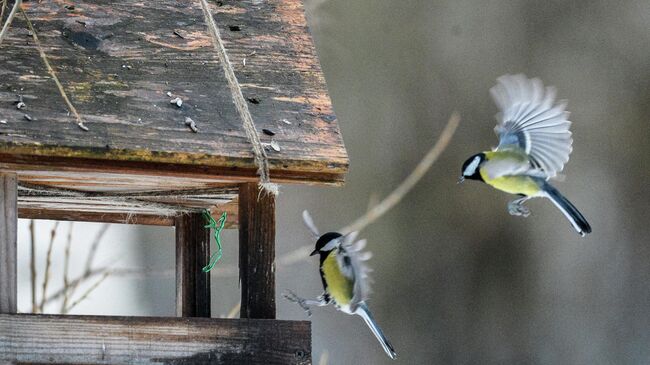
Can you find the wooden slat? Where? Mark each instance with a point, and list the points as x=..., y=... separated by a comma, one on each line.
x=117, y=62
x=75, y=216
x=8, y=243
x=54, y=339
x=192, y=254
x=256, y=252
x=99, y=209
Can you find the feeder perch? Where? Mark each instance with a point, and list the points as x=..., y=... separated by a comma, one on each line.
x=137, y=73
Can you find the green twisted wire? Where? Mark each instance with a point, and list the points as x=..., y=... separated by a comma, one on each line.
x=218, y=227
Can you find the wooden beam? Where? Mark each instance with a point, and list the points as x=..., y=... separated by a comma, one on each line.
x=120, y=218
x=256, y=252
x=56, y=339
x=192, y=253
x=8, y=242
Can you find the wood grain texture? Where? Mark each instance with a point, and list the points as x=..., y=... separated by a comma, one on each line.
x=53, y=339
x=192, y=254
x=117, y=61
x=8, y=243
x=256, y=252
x=127, y=207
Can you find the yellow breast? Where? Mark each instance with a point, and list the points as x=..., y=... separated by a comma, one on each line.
x=513, y=184
x=339, y=287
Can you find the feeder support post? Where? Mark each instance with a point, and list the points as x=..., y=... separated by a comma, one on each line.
x=256, y=252
x=192, y=253
x=8, y=242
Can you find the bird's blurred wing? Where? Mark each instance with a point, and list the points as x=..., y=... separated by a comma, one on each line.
x=506, y=163
x=352, y=262
x=309, y=222
x=528, y=119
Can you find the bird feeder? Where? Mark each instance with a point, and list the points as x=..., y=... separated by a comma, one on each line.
x=123, y=112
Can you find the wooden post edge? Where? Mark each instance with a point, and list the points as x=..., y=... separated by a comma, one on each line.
x=256, y=252
x=192, y=253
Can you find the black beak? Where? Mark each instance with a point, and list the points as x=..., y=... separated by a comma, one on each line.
x=313, y=253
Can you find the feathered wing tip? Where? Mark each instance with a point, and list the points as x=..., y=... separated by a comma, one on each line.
x=364, y=312
x=309, y=222
x=530, y=119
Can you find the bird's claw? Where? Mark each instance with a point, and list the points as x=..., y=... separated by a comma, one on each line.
x=517, y=208
x=293, y=297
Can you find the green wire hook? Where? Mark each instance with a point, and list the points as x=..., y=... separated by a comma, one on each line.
x=218, y=227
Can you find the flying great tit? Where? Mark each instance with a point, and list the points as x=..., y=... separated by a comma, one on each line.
x=345, y=278
x=534, y=144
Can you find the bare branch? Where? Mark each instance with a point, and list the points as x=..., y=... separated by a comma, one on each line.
x=3, y=6
x=95, y=245
x=10, y=19
x=48, y=264
x=50, y=70
x=66, y=264
x=234, y=311
x=90, y=258
x=396, y=196
x=32, y=261
x=85, y=295
x=324, y=358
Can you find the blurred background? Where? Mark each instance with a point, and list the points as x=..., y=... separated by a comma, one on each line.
x=457, y=280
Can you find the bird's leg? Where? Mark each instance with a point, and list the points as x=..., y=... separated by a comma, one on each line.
x=306, y=303
x=516, y=207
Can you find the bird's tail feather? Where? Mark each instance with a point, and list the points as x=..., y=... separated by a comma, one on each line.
x=570, y=211
x=364, y=312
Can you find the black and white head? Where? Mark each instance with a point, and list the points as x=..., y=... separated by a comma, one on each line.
x=327, y=243
x=470, y=168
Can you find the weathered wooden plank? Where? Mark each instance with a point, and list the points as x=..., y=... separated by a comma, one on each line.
x=54, y=339
x=99, y=171
x=8, y=243
x=132, y=207
x=117, y=62
x=76, y=216
x=256, y=252
x=192, y=253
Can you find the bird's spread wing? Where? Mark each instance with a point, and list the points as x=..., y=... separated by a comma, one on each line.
x=506, y=164
x=352, y=262
x=530, y=120
x=309, y=222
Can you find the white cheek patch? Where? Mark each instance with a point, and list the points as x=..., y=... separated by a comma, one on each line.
x=331, y=245
x=471, y=168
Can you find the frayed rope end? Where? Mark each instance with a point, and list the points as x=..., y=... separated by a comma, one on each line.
x=269, y=188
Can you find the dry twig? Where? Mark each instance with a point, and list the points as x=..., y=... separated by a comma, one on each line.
x=377, y=210
x=90, y=258
x=396, y=196
x=32, y=261
x=324, y=358
x=3, y=6
x=85, y=295
x=50, y=70
x=48, y=264
x=10, y=18
x=234, y=311
x=66, y=264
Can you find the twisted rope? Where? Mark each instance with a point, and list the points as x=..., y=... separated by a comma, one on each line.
x=261, y=159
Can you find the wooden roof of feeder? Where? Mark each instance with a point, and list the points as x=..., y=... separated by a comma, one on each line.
x=119, y=62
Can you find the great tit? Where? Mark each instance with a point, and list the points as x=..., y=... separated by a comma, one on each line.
x=345, y=278
x=534, y=144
